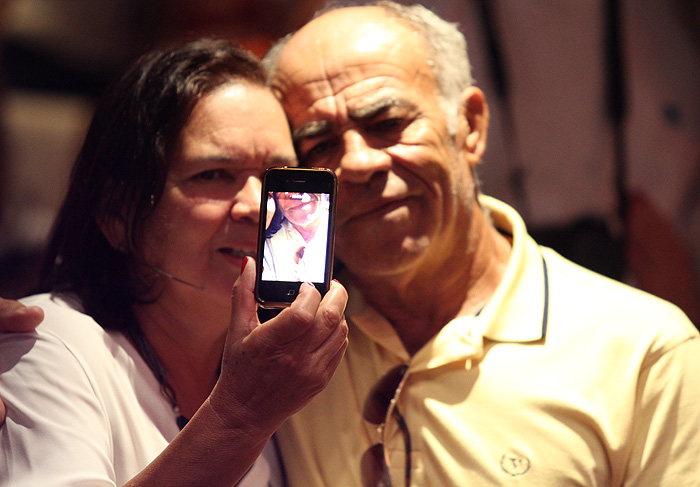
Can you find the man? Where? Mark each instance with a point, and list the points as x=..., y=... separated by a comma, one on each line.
x=485, y=359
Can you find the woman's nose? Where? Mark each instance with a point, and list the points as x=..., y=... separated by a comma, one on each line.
x=246, y=204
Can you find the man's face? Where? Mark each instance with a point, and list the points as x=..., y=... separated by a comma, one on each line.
x=362, y=100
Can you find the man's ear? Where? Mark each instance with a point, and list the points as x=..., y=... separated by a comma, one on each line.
x=114, y=230
x=472, y=124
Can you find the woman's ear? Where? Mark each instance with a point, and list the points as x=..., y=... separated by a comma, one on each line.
x=114, y=230
x=472, y=124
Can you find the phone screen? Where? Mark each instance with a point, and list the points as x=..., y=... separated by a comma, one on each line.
x=295, y=242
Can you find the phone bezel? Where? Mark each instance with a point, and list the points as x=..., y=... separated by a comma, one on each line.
x=280, y=294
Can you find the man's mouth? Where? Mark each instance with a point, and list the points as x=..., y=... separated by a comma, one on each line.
x=377, y=208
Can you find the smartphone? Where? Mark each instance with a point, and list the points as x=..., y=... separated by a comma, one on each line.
x=296, y=234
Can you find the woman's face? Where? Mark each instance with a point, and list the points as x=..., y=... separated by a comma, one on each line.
x=206, y=222
x=301, y=209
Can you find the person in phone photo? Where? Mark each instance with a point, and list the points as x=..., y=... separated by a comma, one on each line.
x=147, y=369
x=295, y=246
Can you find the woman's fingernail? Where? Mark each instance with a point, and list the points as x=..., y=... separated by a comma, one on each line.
x=245, y=261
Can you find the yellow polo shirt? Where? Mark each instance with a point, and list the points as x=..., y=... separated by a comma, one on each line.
x=565, y=378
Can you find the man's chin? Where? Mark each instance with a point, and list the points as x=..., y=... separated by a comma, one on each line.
x=386, y=261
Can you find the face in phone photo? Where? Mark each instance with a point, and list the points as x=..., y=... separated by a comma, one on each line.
x=296, y=237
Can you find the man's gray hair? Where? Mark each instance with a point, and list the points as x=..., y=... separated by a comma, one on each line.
x=447, y=50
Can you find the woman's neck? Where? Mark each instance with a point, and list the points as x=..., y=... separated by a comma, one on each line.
x=187, y=351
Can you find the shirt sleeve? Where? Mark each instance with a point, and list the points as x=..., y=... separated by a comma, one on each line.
x=57, y=431
x=665, y=448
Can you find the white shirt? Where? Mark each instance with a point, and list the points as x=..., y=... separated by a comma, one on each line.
x=83, y=408
x=280, y=249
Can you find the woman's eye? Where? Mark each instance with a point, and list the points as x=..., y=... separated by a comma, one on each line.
x=210, y=175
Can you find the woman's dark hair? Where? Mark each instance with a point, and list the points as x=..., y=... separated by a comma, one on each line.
x=121, y=170
x=277, y=219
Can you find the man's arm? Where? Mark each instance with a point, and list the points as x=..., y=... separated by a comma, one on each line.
x=16, y=317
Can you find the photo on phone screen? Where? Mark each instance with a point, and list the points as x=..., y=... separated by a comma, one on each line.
x=295, y=242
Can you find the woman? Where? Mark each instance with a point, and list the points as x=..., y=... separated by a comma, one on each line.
x=295, y=245
x=141, y=334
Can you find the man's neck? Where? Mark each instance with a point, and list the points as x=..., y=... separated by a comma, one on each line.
x=420, y=304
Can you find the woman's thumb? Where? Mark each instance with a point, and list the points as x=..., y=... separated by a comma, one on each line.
x=244, y=318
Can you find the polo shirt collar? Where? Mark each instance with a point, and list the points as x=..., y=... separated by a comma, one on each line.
x=518, y=311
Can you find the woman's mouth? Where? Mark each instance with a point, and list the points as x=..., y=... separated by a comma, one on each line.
x=238, y=253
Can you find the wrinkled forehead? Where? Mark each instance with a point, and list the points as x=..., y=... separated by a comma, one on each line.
x=342, y=47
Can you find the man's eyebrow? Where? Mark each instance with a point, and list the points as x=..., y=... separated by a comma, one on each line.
x=316, y=128
x=319, y=128
x=377, y=108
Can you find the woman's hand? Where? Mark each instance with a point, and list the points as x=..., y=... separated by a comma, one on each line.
x=271, y=370
x=268, y=372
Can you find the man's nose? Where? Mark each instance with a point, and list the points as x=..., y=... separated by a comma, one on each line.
x=246, y=204
x=360, y=161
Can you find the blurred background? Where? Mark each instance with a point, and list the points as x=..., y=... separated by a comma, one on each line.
x=595, y=116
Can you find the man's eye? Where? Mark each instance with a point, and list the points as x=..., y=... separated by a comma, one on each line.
x=317, y=151
x=388, y=125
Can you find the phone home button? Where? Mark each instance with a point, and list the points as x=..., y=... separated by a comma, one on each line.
x=291, y=292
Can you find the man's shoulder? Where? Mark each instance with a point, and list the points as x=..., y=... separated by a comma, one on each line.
x=595, y=299
x=66, y=329
x=62, y=314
